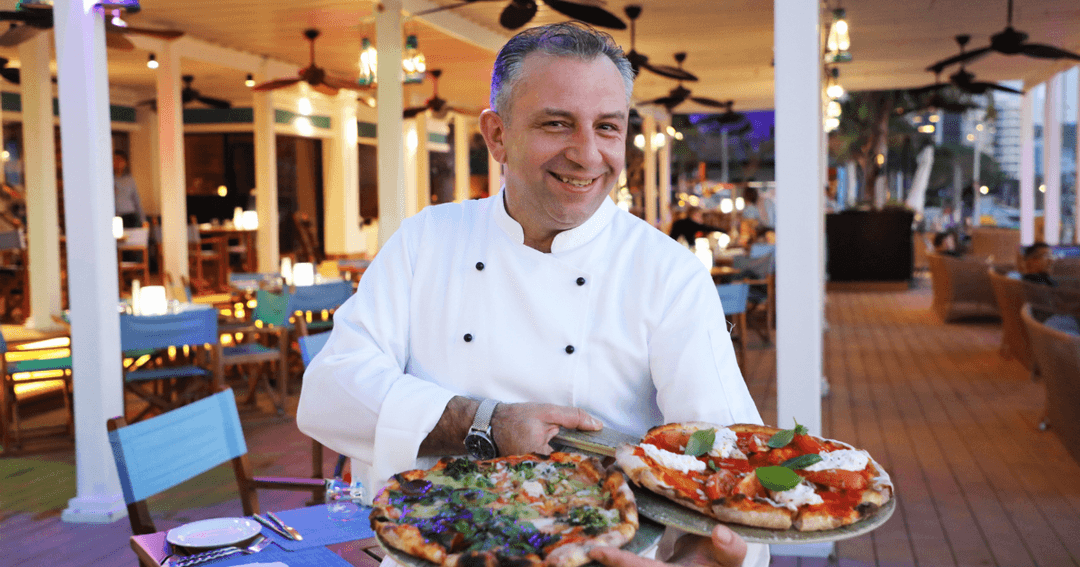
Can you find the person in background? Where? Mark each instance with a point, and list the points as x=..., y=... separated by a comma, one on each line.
x=128, y=206
x=688, y=226
x=1037, y=262
x=945, y=243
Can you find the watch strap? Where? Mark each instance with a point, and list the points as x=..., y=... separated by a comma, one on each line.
x=482, y=419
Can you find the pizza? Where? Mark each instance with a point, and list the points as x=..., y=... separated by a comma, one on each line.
x=528, y=510
x=757, y=475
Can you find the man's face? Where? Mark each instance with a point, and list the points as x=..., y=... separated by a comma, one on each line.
x=118, y=164
x=563, y=140
x=1041, y=262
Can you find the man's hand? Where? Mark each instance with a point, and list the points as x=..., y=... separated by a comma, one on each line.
x=527, y=428
x=724, y=549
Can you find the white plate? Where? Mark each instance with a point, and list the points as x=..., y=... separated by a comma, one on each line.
x=215, y=532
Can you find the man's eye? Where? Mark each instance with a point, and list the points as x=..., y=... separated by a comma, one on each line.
x=555, y=124
x=609, y=127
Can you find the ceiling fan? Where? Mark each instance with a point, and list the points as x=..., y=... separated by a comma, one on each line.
x=9, y=74
x=28, y=22
x=519, y=12
x=639, y=61
x=681, y=94
x=962, y=79
x=729, y=116
x=312, y=75
x=437, y=105
x=189, y=94
x=1008, y=42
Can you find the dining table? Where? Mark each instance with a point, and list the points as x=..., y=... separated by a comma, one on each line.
x=325, y=542
x=230, y=233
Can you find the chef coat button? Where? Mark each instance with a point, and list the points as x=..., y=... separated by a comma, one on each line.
x=569, y=349
x=479, y=265
x=581, y=281
x=468, y=337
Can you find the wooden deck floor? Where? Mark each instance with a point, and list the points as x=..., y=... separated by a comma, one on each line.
x=953, y=423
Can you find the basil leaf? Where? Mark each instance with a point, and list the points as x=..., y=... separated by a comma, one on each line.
x=781, y=439
x=802, y=461
x=713, y=466
x=800, y=429
x=777, y=479
x=700, y=442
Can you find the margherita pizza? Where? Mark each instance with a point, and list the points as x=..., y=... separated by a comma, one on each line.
x=758, y=476
x=523, y=511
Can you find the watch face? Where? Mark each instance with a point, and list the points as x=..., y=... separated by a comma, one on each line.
x=480, y=446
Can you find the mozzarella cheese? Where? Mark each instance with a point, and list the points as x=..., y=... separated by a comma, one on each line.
x=532, y=488
x=681, y=463
x=844, y=459
x=802, y=494
x=725, y=445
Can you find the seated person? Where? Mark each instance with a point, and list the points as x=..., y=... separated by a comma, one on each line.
x=690, y=225
x=945, y=243
x=1036, y=264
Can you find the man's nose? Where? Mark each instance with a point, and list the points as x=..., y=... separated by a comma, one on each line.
x=584, y=149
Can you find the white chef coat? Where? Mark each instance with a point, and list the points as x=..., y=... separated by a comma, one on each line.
x=619, y=320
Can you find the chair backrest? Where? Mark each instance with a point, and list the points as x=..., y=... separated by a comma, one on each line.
x=193, y=326
x=761, y=266
x=733, y=297
x=136, y=237
x=1057, y=355
x=12, y=240
x=272, y=308
x=317, y=297
x=310, y=345
x=1009, y=292
x=759, y=249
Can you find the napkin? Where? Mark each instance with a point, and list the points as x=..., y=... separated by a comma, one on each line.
x=274, y=555
x=318, y=530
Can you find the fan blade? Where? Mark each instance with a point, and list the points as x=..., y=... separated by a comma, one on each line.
x=11, y=75
x=118, y=41
x=214, y=102
x=447, y=7
x=928, y=88
x=965, y=57
x=336, y=83
x=589, y=14
x=708, y=102
x=325, y=89
x=1047, y=52
x=670, y=72
x=411, y=112
x=17, y=34
x=41, y=19
x=275, y=84
x=161, y=34
x=515, y=15
x=637, y=61
x=667, y=101
x=983, y=87
x=731, y=118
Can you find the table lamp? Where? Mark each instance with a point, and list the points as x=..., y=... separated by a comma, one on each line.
x=304, y=273
x=152, y=300
x=117, y=228
x=250, y=220
x=287, y=271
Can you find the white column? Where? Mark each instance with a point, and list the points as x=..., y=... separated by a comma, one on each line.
x=265, y=176
x=725, y=168
x=1052, y=160
x=494, y=175
x=342, y=195
x=411, y=138
x=850, y=197
x=89, y=207
x=391, y=104
x=1027, y=167
x=42, y=215
x=173, y=196
x=648, y=128
x=422, y=163
x=976, y=196
x=461, y=158
x=799, y=202
x=664, y=168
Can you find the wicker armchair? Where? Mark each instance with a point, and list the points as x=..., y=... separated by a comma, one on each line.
x=961, y=286
x=1057, y=353
x=1009, y=292
x=1001, y=244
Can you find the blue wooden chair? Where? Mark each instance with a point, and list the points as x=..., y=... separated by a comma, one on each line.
x=733, y=297
x=161, y=452
x=254, y=358
x=52, y=370
x=760, y=273
x=308, y=300
x=167, y=377
x=310, y=345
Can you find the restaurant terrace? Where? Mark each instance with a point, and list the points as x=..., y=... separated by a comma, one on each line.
x=266, y=187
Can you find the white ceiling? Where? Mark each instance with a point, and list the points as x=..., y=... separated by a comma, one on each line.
x=728, y=42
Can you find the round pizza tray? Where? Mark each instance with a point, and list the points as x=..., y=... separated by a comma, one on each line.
x=669, y=513
x=647, y=535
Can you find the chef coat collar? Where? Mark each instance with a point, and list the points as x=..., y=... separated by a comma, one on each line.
x=565, y=240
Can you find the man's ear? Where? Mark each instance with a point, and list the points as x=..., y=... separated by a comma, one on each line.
x=491, y=126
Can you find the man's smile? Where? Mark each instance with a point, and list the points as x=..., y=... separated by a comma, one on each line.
x=575, y=181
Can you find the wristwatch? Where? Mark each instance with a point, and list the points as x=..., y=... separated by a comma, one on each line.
x=479, y=442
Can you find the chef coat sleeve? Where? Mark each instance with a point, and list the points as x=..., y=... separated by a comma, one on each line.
x=356, y=398
x=691, y=357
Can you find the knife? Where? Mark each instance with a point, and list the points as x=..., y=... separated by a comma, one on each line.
x=292, y=531
x=273, y=527
x=603, y=442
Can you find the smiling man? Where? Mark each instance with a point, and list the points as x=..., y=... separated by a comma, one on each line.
x=483, y=327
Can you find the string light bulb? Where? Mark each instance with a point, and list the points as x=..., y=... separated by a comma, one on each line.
x=151, y=62
x=839, y=42
x=249, y=81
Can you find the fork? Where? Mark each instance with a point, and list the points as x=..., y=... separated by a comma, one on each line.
x=256, y=546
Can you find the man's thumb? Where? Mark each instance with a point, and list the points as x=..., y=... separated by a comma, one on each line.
x=575, y=418
x=728, y=548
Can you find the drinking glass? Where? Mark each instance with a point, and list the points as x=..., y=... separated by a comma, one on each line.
x=343, y=498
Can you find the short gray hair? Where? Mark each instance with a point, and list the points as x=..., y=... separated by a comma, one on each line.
x=569, y=39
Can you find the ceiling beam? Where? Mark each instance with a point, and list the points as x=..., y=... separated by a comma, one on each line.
x=457, y=26
x=201, y=50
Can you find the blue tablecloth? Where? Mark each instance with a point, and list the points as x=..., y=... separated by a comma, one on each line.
x=318, y=530
x=312, y=557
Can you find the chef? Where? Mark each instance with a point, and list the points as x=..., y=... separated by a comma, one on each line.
x=482, y=327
